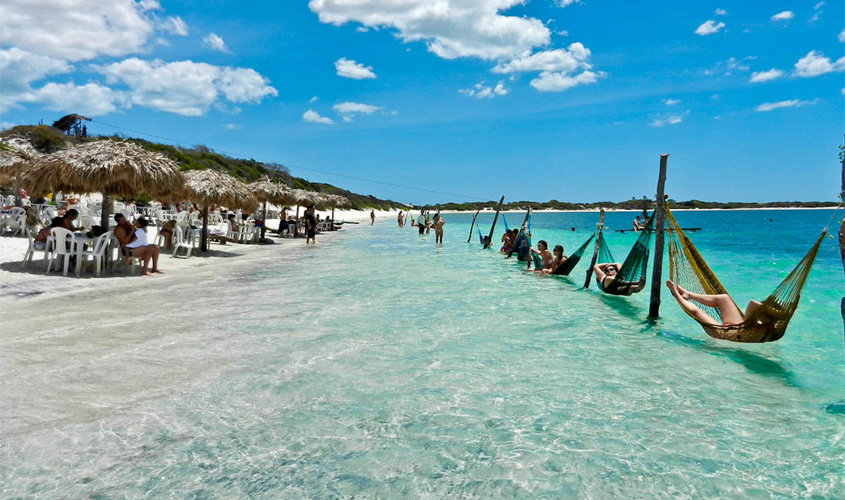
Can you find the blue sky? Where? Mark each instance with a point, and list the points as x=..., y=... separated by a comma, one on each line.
x=540, y=99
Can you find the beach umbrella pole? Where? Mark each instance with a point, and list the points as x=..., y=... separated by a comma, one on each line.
x=657, y=271
x=332, y=224
x=204, y=235
x=264, y=223
x=104, y=211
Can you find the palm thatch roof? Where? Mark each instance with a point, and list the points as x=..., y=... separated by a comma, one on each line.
x=278, y=194
x=338, y=201
x=11, y=163
x=113, y=167
x=210, y=187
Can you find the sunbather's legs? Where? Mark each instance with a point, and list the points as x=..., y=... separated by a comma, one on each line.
x=729, y=311
x=688, y=306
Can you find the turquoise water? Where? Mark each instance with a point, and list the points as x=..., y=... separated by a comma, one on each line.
x=379, y=365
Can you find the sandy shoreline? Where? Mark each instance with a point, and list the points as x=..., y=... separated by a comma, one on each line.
x=17, y=282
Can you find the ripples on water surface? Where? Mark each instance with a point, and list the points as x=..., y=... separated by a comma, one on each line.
x=381, y=366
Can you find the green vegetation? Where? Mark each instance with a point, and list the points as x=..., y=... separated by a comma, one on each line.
x=48, y=139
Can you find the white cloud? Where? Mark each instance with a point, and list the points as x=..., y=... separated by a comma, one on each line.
x=728, y=66
x=559, y=81
x=769, y=106
x=818, y=5
x=557, y=68
x=232, y=126
x=671, y=102
x=815, y=64
x=480, y=91
x=348, y=110
x=783, y=16
x=841, y=36
x=355, y=107
x=765, y=76
x=720, y=12
x=709, y=27
x=565, y=60
x=216, y=42
x=174, y=25
x=348, y=68
x=18, y=69
x=75, y=30
x=89, y=99
x=313, y=99
x=312, y=116
x=670, y=119
x=470, y=28
x=186, y=87
x=564, y=3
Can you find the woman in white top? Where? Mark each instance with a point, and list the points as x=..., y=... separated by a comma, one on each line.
x=140, y=249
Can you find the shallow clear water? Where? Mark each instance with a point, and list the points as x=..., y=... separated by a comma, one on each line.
x=381, y=366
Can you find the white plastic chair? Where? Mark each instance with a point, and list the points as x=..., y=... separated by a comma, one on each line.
x=63, y=246
x=178, y=242
x=30, y=252
x=98, y=252
x=85, y=222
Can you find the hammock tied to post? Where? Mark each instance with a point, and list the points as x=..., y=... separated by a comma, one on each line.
x=570, y=263
x=630, y=278
x=766, y=323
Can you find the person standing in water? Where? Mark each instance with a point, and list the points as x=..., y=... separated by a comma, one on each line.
x=438, y=229
x=421, y=222
x=401, y=218
x=372, y=217
x=310, y=226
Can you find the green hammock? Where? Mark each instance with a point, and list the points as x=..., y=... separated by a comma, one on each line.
x=765, y=323
x=631, y=276
x=570, y=263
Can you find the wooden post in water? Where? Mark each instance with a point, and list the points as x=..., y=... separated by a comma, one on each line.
x=472, y=226
x=660, y=213
x=495, y=218
x=842, y=230
x=522, y=229
x=595, y=251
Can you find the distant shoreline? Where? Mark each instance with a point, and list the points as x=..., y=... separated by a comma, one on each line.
x=596, y=210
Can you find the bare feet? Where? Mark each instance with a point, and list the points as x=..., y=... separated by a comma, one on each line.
x=146, y=273
x=673, y=288
x=159, y=271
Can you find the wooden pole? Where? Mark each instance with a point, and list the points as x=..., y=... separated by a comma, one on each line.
x=842, y=231
x=104, y=212
x=472, y=226
x=660, y=213
x=204, y=235
x=521, y=233
x=495, y=218
x=264, y=222
x=595, y=251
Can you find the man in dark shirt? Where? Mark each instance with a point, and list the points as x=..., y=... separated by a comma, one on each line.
x=310, y=226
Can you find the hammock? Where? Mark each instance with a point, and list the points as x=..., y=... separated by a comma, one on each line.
x=480, y=237
x=506, y=223
x=766, y=323
x=570, y=263
x=630, y=278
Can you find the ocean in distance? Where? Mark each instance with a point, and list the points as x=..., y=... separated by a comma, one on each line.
x=379, y=365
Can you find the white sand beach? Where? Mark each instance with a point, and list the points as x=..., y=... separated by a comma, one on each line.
x=17, y=281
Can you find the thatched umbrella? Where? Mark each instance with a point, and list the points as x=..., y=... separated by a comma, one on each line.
x=338, y=201
x=11, y=162
x=210, y=187
x=267, y=191
x=110, y=167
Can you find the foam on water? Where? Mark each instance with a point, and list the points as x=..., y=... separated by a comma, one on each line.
x=381, y=366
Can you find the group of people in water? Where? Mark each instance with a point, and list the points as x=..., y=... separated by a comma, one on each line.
x=425, y=223
x=515, y=242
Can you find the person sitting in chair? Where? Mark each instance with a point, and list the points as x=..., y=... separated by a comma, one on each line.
x=141, y=249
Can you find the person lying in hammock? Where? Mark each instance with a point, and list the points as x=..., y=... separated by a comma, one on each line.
x=545, y=255
x=731, y=315
x=606, y=275
x=507, y=242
